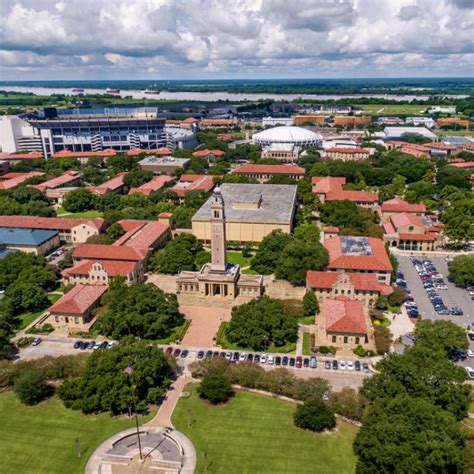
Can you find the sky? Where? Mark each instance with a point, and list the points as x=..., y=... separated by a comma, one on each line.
x=217, y=39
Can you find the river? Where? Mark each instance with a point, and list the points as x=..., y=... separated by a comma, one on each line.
x=216, y=96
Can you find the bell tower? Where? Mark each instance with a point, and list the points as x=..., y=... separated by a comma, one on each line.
x=218, y=237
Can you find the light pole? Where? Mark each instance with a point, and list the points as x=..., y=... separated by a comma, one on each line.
x=129, y=372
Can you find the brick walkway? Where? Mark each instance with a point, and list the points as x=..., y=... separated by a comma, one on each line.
x=205, y=322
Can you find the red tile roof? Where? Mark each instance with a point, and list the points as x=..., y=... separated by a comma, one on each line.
x=15, y=182
x=49, y=223
x=111, y=267
x=405, y=218
x=347, y=150
x=378, y=261
x=421, y=237
x=361, y=281
x=10, y=175
x=399, y=205
x=151, y=186
x=108, y=252
x=79, y=300
x=66, y=178
x=208, y=152
x=464, y=164
x=193, y=182
x=324, y=184
x=143, y=237
x=271, y=169
x=21, y=156
x=83, y=154
x=111, y=185
x=331, y=229
x=159, y=151
x=344, y=316
x=353, y=196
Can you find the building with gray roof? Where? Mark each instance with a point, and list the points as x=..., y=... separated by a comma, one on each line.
x=36, y=241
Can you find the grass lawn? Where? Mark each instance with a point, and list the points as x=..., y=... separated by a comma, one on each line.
x=461, y=133
x=78, y=215
x=22, y=320
x=238, y=259
x=306, y=344
x=41, y=439
x=248, y=271
x=307, y=320
x=178, y=333
x=377, y=109
x=255, y=434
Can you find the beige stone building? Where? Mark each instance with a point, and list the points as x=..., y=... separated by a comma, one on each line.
x=252, y=212
x=264, y=173
x=37, y=241
x=284, y=152
x=219, y=279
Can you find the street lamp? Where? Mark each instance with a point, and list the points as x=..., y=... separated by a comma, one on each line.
x=129, y=372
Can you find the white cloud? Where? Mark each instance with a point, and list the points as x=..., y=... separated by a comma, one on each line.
x=241, y=38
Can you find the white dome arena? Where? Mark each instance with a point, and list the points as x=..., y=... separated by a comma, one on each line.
x=295, y=135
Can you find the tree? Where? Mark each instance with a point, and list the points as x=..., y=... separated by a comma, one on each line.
x=269, y=252
x=25, y=195
x=383, y=339
x=31, y=387
x=442, y=335
x=260, y=323
x=38, y=275
x=178, y=255
x=215, y=388
x=99, y=239
x=397, y=297
x=115, y=231
x=314, y=415
x=144, y=311
x=461, y=270
x=409, y=435
x=134, y=179
x=104, y=385
x=310, y=304
x=440, y=381
x=19, y=265
x=298, y=257
x=79, y=200
x=458, y=220
x=349, y=403
x=27, y=297
x=195, y=198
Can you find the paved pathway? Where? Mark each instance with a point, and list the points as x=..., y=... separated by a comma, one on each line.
x=401, y=324
x=299, y=342
x=205, y=322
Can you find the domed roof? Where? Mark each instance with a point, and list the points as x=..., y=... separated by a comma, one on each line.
x=287, y=134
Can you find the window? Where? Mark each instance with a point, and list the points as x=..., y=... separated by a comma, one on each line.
x=357, y=340
x=345, y=339
x=333, y=338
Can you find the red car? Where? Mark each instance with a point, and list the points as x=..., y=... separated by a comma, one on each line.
x=169, y=350
x=299, y=362
x=177, y=352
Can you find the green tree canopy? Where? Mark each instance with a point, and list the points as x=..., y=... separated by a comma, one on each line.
x=27, y=297
x=31, y=387
x=134, y=179
x=314, y=415
x=260, y=323
x=215, y=388
x=409, y=435
x=115, y=231
x=104, y=385
x=145, y=311
x=79, y=200
x=310, y=304
x=461, y=270
x=269, y=252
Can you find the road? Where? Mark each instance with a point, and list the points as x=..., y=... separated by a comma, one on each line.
x=453, y=296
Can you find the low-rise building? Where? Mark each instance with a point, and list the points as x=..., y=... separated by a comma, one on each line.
x=163, y=164
x=416, y=150
x=420, y=121
x=263, y=173
x=83, y=156
x=15, y=158
x=348, y=154
x=453, y=122
x=15, y=181
x=193, y=182
x=359, y=254
x=37, y=241
x=274, y=121
x=70, y=230
x=397, y=206
x=390, y=121
x=74, y=310
x=252, y=211
x=69, y=178
x=114, y=185
x=217, y=123
x=284, y=152
x=309, y=119
x=150, y=187
x=352, y=120
x=360, y=286
x=399, y=133
x=408, y=231
x=329, y=188
x=210, y=155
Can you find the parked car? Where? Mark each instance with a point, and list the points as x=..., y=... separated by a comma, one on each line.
x=228, y=355
x=357, y=365
x=285, y=361
x=470, y=335
x=200, y=354
x=256, y=358
x=77, y=344
x=342, y=365
x=184, y=354
x=104, y=345
x=37, y=340
x=263, y=359
x=91, y=345
x=305, y=362
x=299, y=362
x=208, y=354
x=169, y=350
x=215, y=354
x=350, y=365
x=327, y=364
x=313, y=363
x=335, y=364
x=470, y=372
x=176, y=352
x=470, y=353
x=456, y=311
x=235, y=357
x=250, y=358
x=365, y=367
x=222, y=354
x=292, y=361
x=270, y=360
x=243, y=356
x=277, y=360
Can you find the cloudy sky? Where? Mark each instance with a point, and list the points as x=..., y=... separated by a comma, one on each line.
x=194, y=39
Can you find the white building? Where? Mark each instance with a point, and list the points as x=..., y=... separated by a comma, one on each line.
x=273, y=121
x=17, y=135
x=180, y=138
x=396, y=133
x=420, y=121
x=298, y=136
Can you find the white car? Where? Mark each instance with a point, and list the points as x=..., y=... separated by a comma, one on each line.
x=270, y=360
x=470, y=372
x=243, y=356
x=342, y=365
x=470, y=353
x=228, y=355
x=263, y=359
x=350, y=365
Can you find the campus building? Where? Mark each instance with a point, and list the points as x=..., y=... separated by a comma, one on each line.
x=347, y=154
x=263, y=173
x=398, y=206
x=163, y=164
x=297, y=136
x=359, y=254
x=86, y=130
x=352, y=120
x=192, y=182
x=252, y=212
x=284, y=152
x=219, y=278
x=37, y=241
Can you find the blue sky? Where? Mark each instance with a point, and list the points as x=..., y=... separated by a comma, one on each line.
x=196, y=39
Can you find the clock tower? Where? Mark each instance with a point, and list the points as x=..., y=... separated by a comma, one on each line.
x=218, y=236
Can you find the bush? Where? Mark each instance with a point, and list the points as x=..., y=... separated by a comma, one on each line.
x=383, y=339
x=310, y=304
x=246, y=251
x=327, y=349
x=360, y=351
x=31, y=387
x=215, y=388
x=381, y=303
x=349, y=403
x=314, y=415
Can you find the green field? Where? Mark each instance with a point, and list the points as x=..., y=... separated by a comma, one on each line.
x=238, y=259
x=459, y=133
x=306, y=344
x=77, y=215
x=255, y=434
x=41, y=439
x=376, y=109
